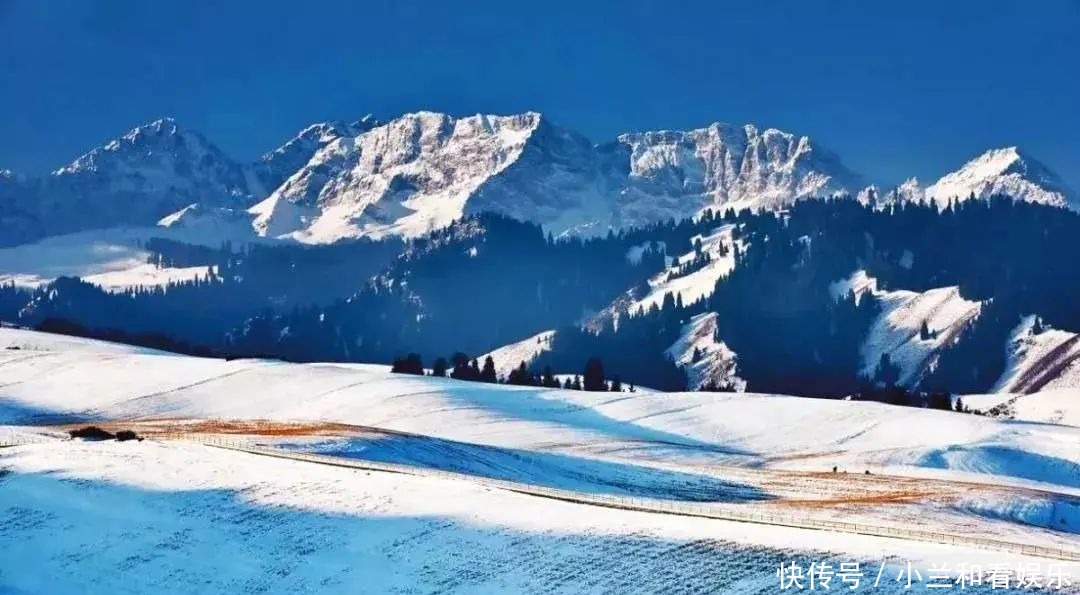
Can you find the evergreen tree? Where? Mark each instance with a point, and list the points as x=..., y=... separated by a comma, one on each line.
x=576, y=384
x=410, y=364
x=941, y=401
x=887, y=373
x=460, y=361
x=924, y=332
x=439, y=368
x=616, y=384
x=488, y=373
x=594, y=375
x=520, y=376
x=548, y=379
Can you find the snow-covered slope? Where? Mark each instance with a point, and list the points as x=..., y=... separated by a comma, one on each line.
x=699, y=283
x=1046, y=359
x=1006, y=171
x=706, y=360
x=973, y=475
x=75, y=380
x=509, y=357
x=114, y=258
x=1052, y=406
x=27, y=342
x=151, y=517
x=276, y=166
x=897, y=330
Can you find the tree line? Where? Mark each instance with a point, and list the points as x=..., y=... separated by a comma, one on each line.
x=461, y=367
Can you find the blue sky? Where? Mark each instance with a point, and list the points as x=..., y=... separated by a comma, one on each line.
x=896, y=88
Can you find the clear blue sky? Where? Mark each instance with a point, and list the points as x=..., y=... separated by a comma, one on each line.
x=896, y=88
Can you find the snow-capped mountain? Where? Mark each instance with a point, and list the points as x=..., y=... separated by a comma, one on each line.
x=423, y=170
x=18, y=222
x=908, y=191
x=1006, y=171
x=276, y=166
x=138, y=178
x=678, y=174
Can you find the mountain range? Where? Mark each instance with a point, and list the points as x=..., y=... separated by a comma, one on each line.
x=421, y=171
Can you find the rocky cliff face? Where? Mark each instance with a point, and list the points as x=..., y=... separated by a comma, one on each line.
x=423, y=170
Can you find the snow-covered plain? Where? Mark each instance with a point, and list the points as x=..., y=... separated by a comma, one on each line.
x=158, y=508
x=144, y=517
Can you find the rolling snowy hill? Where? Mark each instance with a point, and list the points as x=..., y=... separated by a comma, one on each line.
x=160, y=506
x=62, y=376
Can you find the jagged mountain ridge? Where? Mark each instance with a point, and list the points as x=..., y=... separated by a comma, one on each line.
x=424, y=170
x=421, y=171
x=276, y=166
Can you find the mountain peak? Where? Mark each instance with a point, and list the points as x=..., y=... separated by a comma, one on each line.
x=1004, y=171
x=161, y=135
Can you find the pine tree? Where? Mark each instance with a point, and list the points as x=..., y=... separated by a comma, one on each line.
x=488, y=373
x=576, y=384
x=941, y=401
x=520, y=376
x=616, y=384
x=410, y=364
x=887, y=373
x=439, y=368
x=548, y=379
x=460, y=362
x=924, y=332
x=594, y=375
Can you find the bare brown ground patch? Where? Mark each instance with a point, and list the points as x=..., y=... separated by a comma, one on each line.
x=151, y=428
x=857, y=500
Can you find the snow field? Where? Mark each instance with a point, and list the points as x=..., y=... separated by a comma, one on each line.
x=145, y=516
